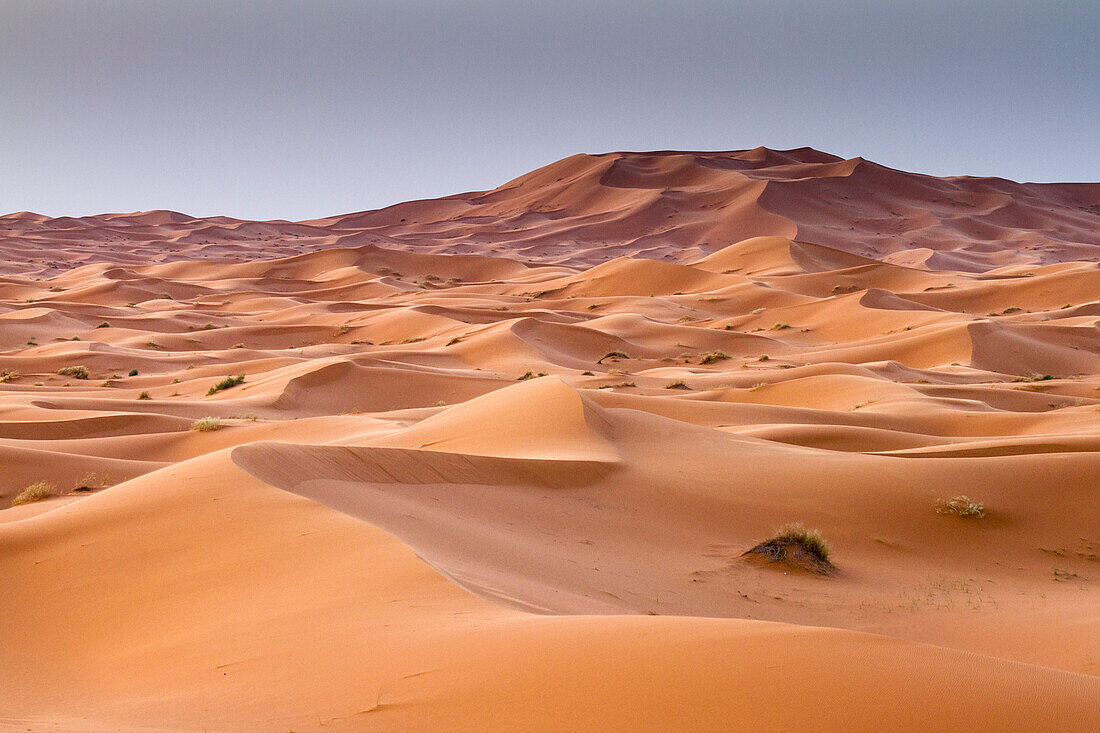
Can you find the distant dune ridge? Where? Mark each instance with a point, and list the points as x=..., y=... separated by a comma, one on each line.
x=675, y=206
x=493, y=461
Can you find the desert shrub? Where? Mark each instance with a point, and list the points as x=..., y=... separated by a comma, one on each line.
x=7, y=376
x=797, y=546
x=89, y=482
x=226, y=384
x=961, y=506
x=34, y=492
x=680, y=384
x=206, y=425
x=529, y=375
x=714, y=356
x=76, y=372
x=144, y=395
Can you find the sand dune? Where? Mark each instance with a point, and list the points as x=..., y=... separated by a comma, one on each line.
x=497, y=458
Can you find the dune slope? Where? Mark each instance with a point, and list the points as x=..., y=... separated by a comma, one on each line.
x=494, y=461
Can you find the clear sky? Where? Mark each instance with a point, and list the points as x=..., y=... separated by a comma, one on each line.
x=304, y=109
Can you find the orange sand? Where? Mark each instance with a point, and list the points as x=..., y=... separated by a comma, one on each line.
x=390, y=530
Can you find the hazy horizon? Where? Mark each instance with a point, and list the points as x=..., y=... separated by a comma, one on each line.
x=292, y=110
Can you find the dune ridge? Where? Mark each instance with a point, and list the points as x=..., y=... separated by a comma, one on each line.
x=668, y=205
x=496, y=458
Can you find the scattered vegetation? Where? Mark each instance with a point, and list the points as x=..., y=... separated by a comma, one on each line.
x=76, y=372
x=90, y=482
x=226, y=383
x=714, y=356
x=8, y=376
x=34, y=492
x=529, y=375
x=206, y=425
x=798, y=547
x=679, y=384
x=1035, y=377
x=962, y=506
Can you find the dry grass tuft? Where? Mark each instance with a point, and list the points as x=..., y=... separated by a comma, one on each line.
x=34, y=492
x=797, y=547
x=206, y=425
x=961, y=506
x=76, y=372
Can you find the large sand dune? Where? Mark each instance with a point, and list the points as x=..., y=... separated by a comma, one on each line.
x=496, y=458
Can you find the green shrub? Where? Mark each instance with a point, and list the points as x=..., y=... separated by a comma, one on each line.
x=226, y=384
x=206, y=425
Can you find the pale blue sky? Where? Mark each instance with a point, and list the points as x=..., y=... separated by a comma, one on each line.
x=304, y=109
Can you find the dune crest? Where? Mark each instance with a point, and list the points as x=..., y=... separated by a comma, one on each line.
x=494, y=461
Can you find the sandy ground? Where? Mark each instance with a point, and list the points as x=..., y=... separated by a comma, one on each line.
x=496, y=458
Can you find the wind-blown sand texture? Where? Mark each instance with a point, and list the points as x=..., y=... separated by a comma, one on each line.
x=497, y=458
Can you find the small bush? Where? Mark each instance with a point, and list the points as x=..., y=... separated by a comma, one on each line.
x=76, y=372
x=677, y=385
x=144, y=395
x=105, y=324
x=8, y=376
x=781, y=326
x=206, y=425
x=226, y=384
x=133, y=372
x=962, y=506
x=529, y=375
x=90, y=482
x=796, y=546
x=34, y=492
x=714, y=356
